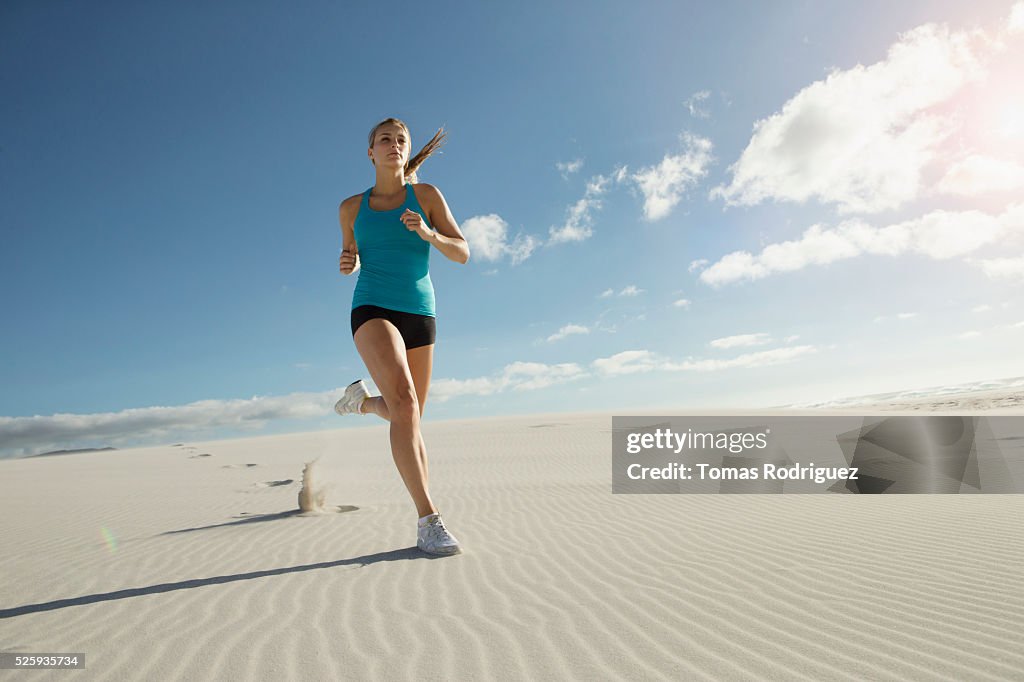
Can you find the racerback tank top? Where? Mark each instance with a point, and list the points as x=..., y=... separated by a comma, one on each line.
x=393, y=261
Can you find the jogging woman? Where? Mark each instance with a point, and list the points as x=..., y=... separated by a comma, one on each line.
x=387, y=232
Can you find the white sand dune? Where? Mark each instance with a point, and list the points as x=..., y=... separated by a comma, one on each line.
x=158, y=565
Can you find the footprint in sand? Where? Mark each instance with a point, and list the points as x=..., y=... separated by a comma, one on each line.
x=191, y=450
x=239, y=466
x=274, y=484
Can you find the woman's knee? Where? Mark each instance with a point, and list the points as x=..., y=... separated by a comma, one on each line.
x=403, y=405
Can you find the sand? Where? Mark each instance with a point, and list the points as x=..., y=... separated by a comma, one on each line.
x=192, y=562
x=1000, y=401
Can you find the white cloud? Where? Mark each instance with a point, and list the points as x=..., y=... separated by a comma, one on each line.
x=978, y=174
x=629, y=290
x=763, y=358
x=521, y=248
x=517, y=376
x=639, y=361
x=663, y=185
x=969, y=335
x=695, y=102
x=627, y=362
x=682, y=303
x=488, y=239
x=486, y=236
x=29, y=435
x=861, y=138
x=567, y=330
x=1004, y=268
x=578, y=223
x=939, y=235
x=698, y=264
x=567, y=169
x=984, y=307
x=740, y=340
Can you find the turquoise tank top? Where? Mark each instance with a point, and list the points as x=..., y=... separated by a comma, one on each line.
x=393, y=261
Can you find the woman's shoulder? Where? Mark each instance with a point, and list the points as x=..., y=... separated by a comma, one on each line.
x=351, y=203
x=349, y=209
x=425, y=192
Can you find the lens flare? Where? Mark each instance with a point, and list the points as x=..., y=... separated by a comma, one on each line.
x=109, y=538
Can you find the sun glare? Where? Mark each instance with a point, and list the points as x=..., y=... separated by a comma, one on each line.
x=1010, y=119
x=993, y=117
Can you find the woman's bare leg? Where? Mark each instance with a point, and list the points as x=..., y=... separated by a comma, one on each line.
x=377, y=406
x=383, y=352
x=421, y=363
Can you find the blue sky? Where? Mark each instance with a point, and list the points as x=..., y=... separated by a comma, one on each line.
x=669, y=205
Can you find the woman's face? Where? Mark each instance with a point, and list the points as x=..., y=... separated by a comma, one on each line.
x=390, y=146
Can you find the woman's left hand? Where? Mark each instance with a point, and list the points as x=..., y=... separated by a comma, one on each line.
x=414, y=223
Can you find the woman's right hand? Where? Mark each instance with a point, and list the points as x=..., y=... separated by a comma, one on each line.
x=349, y=262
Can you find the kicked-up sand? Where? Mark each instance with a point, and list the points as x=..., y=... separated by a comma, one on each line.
x=192, y=562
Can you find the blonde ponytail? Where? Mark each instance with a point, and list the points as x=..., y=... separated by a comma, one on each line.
x=429, y=148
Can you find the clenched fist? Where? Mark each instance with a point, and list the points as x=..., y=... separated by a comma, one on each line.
x=349, y=262
x=414, y=223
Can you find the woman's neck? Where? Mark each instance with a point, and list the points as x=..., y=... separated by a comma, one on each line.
x=389, y=183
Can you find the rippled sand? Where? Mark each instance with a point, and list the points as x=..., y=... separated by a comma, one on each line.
x=159, y=563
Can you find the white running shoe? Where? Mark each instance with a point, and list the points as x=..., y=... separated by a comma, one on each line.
x=353, y=399
x=434, y=538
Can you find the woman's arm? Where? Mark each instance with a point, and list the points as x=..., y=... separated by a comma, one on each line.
x=446, y=235
x=349, y=262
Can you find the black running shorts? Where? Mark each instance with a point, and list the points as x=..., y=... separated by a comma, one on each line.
x=416, y=330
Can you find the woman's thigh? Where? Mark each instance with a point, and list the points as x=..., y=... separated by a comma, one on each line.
x=383, y=352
